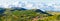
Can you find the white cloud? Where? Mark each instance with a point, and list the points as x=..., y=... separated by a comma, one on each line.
x=5, y=5
x=28, y=5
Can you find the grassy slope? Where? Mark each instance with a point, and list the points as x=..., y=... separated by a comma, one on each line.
x=30, y=15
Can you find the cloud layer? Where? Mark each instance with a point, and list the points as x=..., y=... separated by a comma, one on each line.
x=50, y=5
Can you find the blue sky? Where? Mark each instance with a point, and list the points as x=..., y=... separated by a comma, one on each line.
x=32, y=4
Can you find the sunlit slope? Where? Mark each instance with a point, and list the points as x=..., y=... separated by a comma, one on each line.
x=53, y=13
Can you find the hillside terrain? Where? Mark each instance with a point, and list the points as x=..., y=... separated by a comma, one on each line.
x=29, y=15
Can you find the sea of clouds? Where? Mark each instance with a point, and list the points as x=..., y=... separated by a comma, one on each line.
x=50, y=5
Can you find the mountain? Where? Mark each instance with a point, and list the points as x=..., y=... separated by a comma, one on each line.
x=40, y=11
x=17, y=8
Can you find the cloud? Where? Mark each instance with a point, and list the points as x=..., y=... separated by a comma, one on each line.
x=33, y=4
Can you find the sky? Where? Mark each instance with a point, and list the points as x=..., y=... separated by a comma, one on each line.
x=51, y=5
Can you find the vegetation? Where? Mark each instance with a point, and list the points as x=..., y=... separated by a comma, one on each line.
x=29, y=15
